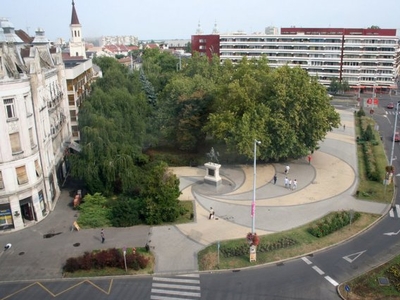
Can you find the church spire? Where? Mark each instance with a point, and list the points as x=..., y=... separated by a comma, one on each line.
x=74, y=17
x=77, y=44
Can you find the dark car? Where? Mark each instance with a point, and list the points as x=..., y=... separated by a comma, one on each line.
x=390, y=105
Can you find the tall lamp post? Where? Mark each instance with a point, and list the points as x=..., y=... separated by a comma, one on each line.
x=394, y=133
x=253, y=203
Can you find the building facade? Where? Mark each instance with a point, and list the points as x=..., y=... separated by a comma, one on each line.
x=79, y=75
x=366, y=58
x=34, y=127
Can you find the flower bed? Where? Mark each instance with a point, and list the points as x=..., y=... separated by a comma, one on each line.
x=110, y=258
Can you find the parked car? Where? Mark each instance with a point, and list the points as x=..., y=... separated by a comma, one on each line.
x=390, y=105
x=397, y=136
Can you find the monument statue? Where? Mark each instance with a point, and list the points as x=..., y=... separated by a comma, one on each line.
x=212, y=168
x=212, y=155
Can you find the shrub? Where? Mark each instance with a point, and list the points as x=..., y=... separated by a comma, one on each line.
x=110, y=258
x=332, y=223
x=263, y=246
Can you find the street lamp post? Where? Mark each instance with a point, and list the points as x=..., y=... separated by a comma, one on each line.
x=394, y=133
x=253, y=203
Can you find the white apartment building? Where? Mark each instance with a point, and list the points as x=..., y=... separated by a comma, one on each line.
x=34, y=127
x=366, y=58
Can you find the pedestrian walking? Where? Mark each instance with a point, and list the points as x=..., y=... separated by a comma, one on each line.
x=102, y=236
x=344, y=127
x=275, y=179
x=309, y=159
x=290, y=184
x=294, y=184
x=287, y=169
x=212, y=213
x=286, y=182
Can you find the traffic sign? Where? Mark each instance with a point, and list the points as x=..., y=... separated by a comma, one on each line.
x=347, y=288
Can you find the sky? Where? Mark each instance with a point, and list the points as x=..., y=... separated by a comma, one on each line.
x=179, y=19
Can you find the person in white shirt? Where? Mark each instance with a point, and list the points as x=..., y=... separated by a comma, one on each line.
x=294, y=184
x=287, y=169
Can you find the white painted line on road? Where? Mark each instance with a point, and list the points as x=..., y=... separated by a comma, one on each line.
x=391, y=213
x=319, y=271
x=155, y=297
x=398, y=210
x=306, y=260
x=176, y=286
x=189, y=275
x=352, y=257
x=180, y=293
x=333, y=282
x=165, y=279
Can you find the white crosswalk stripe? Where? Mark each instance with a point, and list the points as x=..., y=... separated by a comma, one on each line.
x=391, y=112
x=394, y=212
x=186, y=287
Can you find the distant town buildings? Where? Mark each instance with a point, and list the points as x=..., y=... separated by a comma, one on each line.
x=125, y=40
x=367, y=58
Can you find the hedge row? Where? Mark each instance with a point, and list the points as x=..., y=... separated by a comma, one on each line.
x=333, y=223
x=367, y=142
x=264, y=246
x=110, y=258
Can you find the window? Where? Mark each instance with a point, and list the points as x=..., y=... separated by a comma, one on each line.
x=28, y=108
x=22, y=177
x=15, y=142
x=38, y=169
x=1, y=181
x=72, y=114
x=9, y=108
x=31, y=138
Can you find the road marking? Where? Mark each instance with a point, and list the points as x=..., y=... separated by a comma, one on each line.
x=180, y=293
x=183, y=287
x=392, y=233
x=306, y=260
x=176, y=286
x=319, y=271
x=391, y=213
x=165, y=279
x=352, y=257
x=398, y=210
x=333, y=282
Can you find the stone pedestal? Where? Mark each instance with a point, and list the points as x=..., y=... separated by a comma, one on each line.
x=212, y=174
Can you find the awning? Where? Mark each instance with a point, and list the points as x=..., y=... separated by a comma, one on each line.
x=75, y=146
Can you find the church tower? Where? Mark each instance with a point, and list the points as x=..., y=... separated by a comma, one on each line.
x=76, y=43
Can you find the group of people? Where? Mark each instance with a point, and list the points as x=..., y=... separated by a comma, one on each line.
x=289, y=183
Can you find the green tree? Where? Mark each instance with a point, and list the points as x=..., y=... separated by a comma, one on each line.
x=159, y=195
x=334, y=86
x=284, y=108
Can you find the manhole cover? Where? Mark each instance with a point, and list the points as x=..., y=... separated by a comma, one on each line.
x=383, y=281
x=21, y=253
x=77, y=244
